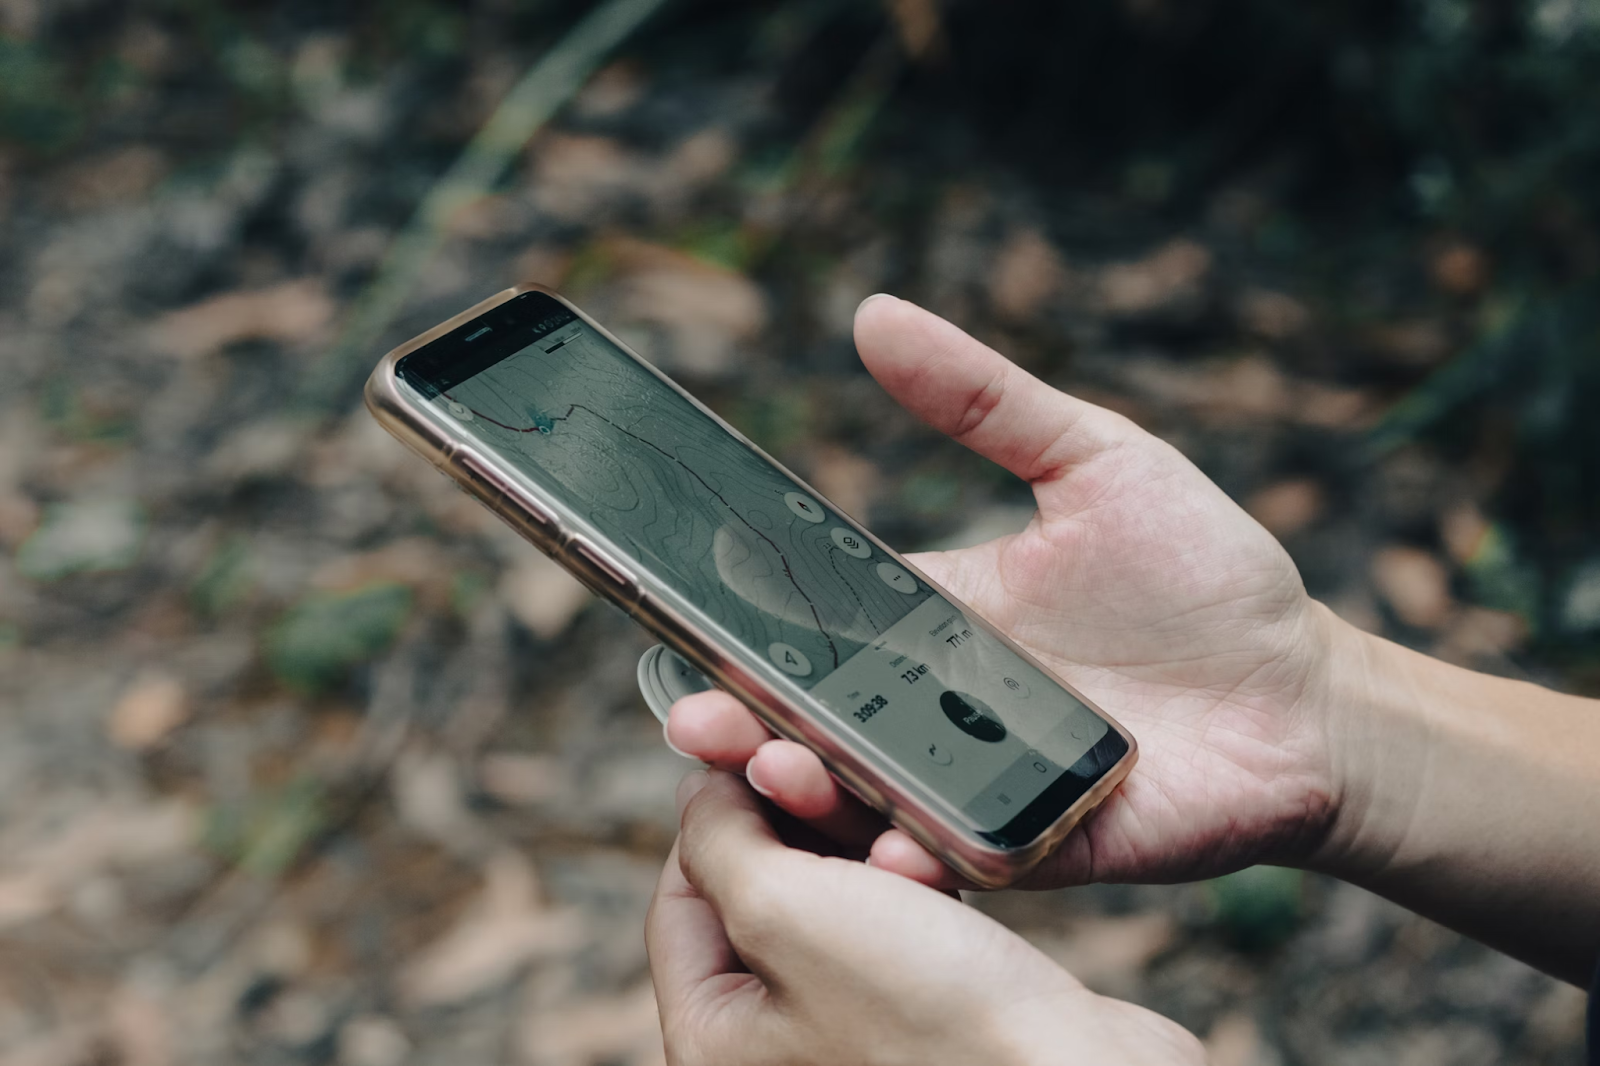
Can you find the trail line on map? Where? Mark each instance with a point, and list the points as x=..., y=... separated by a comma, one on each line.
x=540, y=427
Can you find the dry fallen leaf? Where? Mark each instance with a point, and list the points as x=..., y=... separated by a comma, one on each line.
x=520, y=780
x=705, y=311
x=118, y=177
x=574, y=174
x=919, y=26
x=1478, y=631
x=1171, y=274
x=1414, y=583
x=698, y=159
x=98, y=841
x=293, y=312
x=138, y=1030
x=419, y=562
x=372, y=1040
x=542, y=264
x=1272, y=315
x=1460, y=268
x=431, y=801
x=1027, y=272
x=152, y=706
x=543, y=596
x=613, y=90
x=1249, y=387
x=1235, y=1040
x=69, y=1045
x=846, y=478
x=1463, y=529
x=505, y=929
x=263, y=449
x=1417, y=344
x=595, y=1030
x=1287, y=507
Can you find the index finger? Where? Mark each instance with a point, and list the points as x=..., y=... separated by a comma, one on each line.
x=724, y=839
x=684, y=939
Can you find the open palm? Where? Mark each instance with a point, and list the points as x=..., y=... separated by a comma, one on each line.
x=1139, y=582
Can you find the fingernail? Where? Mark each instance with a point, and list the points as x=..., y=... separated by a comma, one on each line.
x=692, y=782
x=751, y=778
x=667, y=739
x=874, y=296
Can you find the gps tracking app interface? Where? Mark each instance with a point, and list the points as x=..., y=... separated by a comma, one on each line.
x=768, y=562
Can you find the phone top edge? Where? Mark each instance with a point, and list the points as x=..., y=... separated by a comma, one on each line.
x=985, y=862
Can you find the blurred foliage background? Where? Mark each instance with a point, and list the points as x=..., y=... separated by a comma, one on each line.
x=304, y=759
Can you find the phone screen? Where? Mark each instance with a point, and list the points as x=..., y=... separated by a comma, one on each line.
x=769, y=563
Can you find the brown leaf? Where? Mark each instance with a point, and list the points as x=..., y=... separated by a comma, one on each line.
x=595, y=1030
x=261, y=449
x=1287, y=507
x=1479, y=632
x=1272, y=315
x=431, y=801
x=1463, y=529
x=372, y=1040
x=98, y=841
x=504, y=930
x=1235, y=1040
x=69, y=1045
x=1171, y=274
x=19, y=517
x=846, y=478
x=149, y=709
x=919, y=26
x=117, y=177
x=1460, y=268
x=699, y=158
x=419, y=562
x=1027, y=272
x=1247, y=387
x=543, y=596
x=613, y=90
x=520, y=780
x=292, y=313
x=1418, y=343
x=485, y=217
x=138, y=1030
x=573, y=174
x=704, y=310
x=1414, y=583
x=542, y=265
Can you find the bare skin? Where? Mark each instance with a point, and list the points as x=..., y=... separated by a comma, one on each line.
x=1270, y=731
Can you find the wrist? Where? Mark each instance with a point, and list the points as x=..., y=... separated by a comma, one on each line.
x=1076, y=1025
x=1371, y=708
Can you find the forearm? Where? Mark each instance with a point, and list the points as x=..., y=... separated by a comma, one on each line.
x=1471, y=799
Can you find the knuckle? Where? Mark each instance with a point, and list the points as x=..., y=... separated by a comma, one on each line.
x=980, y=405
x=754, y=911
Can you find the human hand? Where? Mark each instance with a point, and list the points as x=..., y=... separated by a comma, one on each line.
x=762, y=953
x=1139, y=582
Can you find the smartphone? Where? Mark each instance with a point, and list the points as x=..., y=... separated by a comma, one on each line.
x=912, y=700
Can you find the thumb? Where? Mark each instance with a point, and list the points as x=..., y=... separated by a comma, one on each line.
x=979, y=397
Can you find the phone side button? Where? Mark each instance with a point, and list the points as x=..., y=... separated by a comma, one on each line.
x=481, y=472
x=619, y=577
x=486, y=475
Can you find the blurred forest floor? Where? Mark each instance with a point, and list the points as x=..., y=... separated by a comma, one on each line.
x=304, y=758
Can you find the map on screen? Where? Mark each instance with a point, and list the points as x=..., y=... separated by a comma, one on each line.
x=673, y=488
